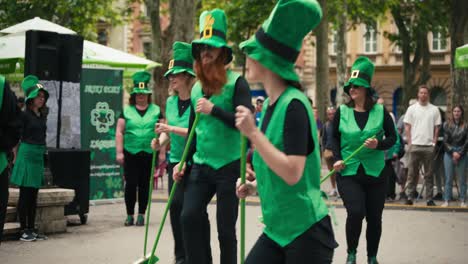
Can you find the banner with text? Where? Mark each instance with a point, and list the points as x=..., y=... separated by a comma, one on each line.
x=101, y=105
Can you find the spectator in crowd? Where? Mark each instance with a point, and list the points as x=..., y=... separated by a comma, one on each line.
x=28, y=170
x=391, y=156
x=422, y=121
x=258, y=108
x=402, y=166
x=438, y=163
x=327, y=135
x=135, y=130
x=456, y=146
x=21, y=103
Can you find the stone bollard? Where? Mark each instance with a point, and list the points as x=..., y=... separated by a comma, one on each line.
x=50, y=214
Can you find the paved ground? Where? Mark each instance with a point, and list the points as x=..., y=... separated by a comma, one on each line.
x=408, y=237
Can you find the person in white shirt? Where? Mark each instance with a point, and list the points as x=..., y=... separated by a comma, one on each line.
x=422, y=121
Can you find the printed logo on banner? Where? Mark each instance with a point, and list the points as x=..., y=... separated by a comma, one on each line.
x=102, y=117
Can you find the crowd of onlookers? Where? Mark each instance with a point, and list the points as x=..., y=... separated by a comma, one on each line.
x=431, y=149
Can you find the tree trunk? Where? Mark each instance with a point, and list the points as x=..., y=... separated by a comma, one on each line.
x=181, y=28
x=341, y=57
x=458, y=37
x=322, y=90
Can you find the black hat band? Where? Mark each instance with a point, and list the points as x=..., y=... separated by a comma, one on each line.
x=276, y=47
x=183, y=64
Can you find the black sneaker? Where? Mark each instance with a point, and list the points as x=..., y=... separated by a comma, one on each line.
x=403, y=196
x=409, y=202
x=438, y=197
x=39, y=236
x=28, y=236
x=430, y=203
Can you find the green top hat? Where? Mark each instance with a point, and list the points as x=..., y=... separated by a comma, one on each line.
x=140, y=82
x=182, y=59
x=31, y=87
x=361, y=73
x=213, y=31
x=276, y=45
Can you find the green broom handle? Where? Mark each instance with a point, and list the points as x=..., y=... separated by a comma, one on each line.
x=174, y=186
x=346, y=160
x=149, y=198
x=243, y=161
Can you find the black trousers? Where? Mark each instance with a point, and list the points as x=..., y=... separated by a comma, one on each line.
x=389, y=173
x=3, y=199
x=27, y=204
x=314, y=246
x=202, y=184
x=137, y=170
x=363, y=196
x=175, y=213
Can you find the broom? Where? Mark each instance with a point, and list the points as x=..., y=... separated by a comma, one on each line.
x=243, y=161
x=151, y=259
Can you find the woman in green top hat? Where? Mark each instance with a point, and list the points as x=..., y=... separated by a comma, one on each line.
x=215, y=148
x=181, y=79
x=28, y=170
x=361, y=181
x=135, y=130
x=286, y=157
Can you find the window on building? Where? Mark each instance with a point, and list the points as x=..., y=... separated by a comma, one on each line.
x=102, y=37
x=439, y=42
x=147, y=49
x=333, y=44
x=370, y=39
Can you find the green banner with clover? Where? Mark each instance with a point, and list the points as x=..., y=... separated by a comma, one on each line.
x=101, y=105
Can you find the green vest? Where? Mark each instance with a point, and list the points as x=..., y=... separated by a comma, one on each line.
x=139, y=130
x=217, y=144
x=173, y=119
x=3, y=156
x=352, y=137
x=288, y=211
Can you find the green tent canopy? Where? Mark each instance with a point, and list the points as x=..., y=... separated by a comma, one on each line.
x=461, y=57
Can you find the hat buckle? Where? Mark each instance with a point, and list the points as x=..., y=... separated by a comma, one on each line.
x=208, y=30
x=354, y=74
x=141, y=85
x=171, y=64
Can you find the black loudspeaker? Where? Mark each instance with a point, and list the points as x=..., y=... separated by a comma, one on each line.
x=53, y=56
x=70, y=169
x=71, y=57
x=42, y=54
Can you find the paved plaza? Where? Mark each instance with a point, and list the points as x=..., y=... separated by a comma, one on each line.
x=408, y=237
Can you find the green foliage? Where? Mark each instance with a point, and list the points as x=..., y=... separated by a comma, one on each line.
x=244, y=18
x=357, y=11
x=81, y=16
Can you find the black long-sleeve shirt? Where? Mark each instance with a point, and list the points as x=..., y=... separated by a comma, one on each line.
x=241, y=97
x=361, y=120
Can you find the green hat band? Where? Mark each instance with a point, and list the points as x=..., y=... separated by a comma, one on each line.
x=179, y=63
x=361, y=75
x=276, y=47
x=209, y=32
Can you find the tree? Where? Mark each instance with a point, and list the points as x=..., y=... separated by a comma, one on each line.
x=181, y=14
x=81, y=16
x=321, y=91
x=414, y=20
x=345, y=15
x=458, y=37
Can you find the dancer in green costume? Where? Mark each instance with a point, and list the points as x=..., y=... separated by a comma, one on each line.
x=286, y=160
x=215, y=148
x=361, y=181
x=135, y=130
x=28, y=170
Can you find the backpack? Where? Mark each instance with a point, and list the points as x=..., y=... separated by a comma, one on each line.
x=10, y=123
